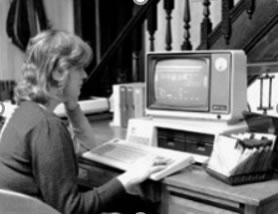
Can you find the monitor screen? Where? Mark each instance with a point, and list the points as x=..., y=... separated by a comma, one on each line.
x=182, y=84
x=208, y=84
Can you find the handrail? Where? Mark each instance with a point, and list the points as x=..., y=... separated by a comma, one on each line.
x=141, y=14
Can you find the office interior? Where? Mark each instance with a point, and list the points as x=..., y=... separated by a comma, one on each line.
x=122, y=34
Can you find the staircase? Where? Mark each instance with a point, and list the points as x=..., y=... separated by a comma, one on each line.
x=250, y=25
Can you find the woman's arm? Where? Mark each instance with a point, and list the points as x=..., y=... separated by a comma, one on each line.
x=55, y=170
x=80, y=127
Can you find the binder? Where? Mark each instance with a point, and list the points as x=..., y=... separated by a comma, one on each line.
x=139, y=101
x=130, y=102
x=127, y=101
x=123, y=106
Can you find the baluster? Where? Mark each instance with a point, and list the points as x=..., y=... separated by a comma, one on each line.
x=250, y=7
x=227, y=5
x=152, y=25
x=263, y=79
x=186, y=18
x=168, y=6
x=136, y=47
x=206, y=25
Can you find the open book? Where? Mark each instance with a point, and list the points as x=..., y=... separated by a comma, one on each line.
x=122, y=154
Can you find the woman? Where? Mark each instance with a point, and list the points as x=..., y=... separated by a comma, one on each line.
x=37, y=155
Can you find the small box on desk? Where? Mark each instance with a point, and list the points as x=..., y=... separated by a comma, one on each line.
x=247, y=157
x=127, y=101
x=236, y=161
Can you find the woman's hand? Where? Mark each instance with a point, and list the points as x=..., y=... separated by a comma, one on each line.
x=71, y=103
x=140, y=172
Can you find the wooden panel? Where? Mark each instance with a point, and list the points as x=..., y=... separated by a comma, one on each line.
x=180, y=205
x=94, y=175
x=203, y=196
x=256, y=36
x=243, y=28
x=197, y=180
x=270, y=207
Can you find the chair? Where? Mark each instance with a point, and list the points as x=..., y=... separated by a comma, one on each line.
x=17, y=203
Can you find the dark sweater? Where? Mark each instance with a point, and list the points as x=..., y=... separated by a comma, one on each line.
x=37, y=158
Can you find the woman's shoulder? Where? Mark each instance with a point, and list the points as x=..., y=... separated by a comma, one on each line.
x=30, y=114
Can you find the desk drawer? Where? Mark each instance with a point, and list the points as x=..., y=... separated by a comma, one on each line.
x=179, y=205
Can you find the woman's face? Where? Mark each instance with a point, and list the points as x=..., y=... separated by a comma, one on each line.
x=75, y=81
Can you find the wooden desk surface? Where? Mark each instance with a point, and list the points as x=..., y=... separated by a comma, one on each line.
x=196, y=179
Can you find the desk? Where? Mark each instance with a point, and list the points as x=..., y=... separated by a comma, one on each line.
x=191, y=191
x=196, y=191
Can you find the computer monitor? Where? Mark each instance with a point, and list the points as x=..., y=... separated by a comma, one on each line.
x=210, y=84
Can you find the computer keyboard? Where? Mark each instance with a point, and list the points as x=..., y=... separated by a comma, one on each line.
x=122, y=154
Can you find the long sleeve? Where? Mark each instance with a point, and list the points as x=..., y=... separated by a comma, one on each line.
x=82, y=131
x=55, y=172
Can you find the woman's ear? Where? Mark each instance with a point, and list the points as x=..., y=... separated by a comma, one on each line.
x=57, y=75
x=58, y=82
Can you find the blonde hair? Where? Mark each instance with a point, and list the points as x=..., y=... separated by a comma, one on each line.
x=50, y=51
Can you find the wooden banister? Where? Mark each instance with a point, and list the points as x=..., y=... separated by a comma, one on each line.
x=206, y=25
x=186, y=18
x=168, y=7
x=152, y=26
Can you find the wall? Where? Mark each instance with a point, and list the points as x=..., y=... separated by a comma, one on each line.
x=11, y=58
x=253, y=95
